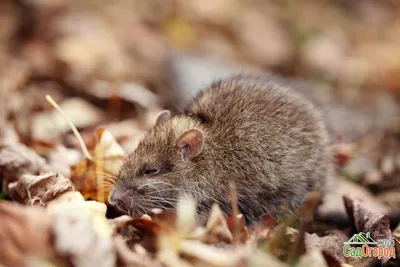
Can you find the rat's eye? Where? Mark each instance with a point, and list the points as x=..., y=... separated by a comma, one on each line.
x=152, y=171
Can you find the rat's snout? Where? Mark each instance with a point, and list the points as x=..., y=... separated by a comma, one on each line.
x=121, y=199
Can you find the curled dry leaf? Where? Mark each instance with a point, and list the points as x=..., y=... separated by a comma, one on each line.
x=365, y=220
x=108, y=152
x=217, y=228
x=83, y=235
x=266, y=227
x=39, y=189
x=17, y=159
x=84, y=178
x=67, y=197
x=127, y=257
x=24, y=231
x=120, y=222
x=127, y=132
x=333, y=204
x=61, y=158
x=210, y=255
x=131, y=229
x=237, y=225
x=331, y=244
x=94, y=178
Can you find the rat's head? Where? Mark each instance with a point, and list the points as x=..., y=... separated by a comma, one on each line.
x=161, y=168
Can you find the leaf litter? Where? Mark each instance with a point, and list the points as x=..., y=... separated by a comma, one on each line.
x=59, y=181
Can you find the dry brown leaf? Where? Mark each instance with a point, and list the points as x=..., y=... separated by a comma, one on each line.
x=93, y=178
x=365, y=220
x=84, y=178
x=127, y=257
x=333, y=204
x=24, y=231
x=108, y=153
x=17, y=159
x=265, y=228
x=83, y=235
x=61, y=158
x=39, y=190
x=128, y=133
x=67, y=197
x=211, y=255
x=331, y=244
x=131, y=229
x=217, y=228
x=240, y=223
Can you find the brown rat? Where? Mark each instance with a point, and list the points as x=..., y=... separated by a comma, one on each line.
x=267, y=139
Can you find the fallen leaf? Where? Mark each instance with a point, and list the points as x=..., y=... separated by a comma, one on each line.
x=331, y=244
x=120, y=222
x=365, y=220
x=25, y=231
x=332, y=206
x=216, y=228
x=108, y=152
x=17, y=159
x=39, y=190
x=67, y=197
x=83, y=235
x=210, y=255
x=127, y=257
x=61, y=158
x=94, y=179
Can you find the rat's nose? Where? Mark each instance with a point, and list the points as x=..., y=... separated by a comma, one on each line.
x=121, y=199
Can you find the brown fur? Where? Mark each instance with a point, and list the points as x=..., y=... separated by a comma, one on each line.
x=267, y=139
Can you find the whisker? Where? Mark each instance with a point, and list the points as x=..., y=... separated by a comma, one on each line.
x=152, y=184
x=179, y=189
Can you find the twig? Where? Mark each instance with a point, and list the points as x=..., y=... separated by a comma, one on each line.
x=72, y=126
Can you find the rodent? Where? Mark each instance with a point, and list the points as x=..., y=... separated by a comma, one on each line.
x=266, y=138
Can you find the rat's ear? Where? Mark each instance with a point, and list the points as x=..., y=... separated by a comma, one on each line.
x=190, y=144
x=163, y=116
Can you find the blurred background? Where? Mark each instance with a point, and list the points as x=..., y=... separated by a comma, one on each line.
x=115, y=64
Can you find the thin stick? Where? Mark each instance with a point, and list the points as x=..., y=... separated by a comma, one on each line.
x=72, y=126
x=235, y=212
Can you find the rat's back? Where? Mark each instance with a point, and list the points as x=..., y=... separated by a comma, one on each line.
x=270, y=139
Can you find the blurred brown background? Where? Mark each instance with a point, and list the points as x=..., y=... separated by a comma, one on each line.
x=349, y=44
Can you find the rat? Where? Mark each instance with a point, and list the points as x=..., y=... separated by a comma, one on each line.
x=267, y=139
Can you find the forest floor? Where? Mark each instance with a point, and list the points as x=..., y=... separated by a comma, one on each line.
x=104, y=64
